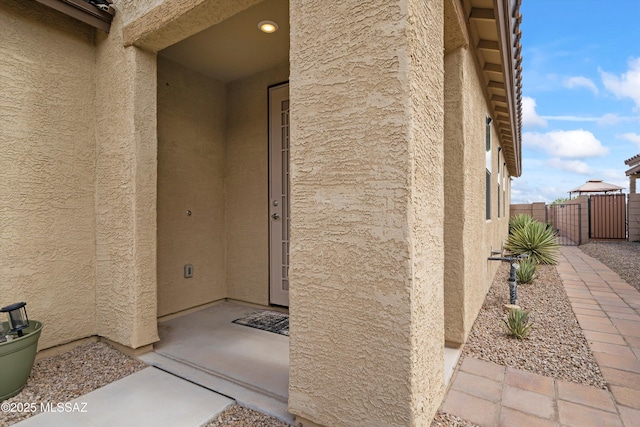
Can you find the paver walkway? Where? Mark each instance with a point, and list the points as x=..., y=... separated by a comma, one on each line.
x=608, y=310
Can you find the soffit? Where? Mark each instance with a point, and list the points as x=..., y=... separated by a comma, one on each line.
x=235, y=48
x=494, y=28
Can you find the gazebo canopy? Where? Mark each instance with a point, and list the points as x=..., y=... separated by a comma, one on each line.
x=596, y=186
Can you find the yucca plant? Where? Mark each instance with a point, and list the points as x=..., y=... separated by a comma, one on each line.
x=535, y=240
x=519, y=221
x=518, y=323
x=526, y=271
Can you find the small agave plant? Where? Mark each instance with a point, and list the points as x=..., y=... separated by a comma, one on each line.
x=518, y=323
x=526, y=272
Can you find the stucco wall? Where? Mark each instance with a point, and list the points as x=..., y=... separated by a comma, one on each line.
x=157, y=24
x=366, y=169
x=426, y=214
x=133, y=9
x=247, y=185
x=81, y=164
x=469, y=236
x=481, y=236
x=191, y=125
x=634, y=217
x=126, y=171
x=455, y=223
x=47, y=166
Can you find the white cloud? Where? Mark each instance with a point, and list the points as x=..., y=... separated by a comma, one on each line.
x=571, y=144
x=604, y=120
x=607, y=119
x=524, y=191
x=630, y=136
x=626, y=85
x=612, y=119
x=571, y=118
x=529, y=115
x=576, y=166
x=580, y=81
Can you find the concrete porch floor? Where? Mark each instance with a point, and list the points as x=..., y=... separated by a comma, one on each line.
x=246, y=364
x=202, y=364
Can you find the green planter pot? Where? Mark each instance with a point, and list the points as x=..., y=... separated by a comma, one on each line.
x=16, y=359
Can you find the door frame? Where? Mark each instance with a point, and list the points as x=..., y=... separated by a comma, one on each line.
x=277, y=296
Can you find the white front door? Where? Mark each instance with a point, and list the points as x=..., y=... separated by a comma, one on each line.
x=279, y=223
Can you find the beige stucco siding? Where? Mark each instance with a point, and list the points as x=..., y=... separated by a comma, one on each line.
x=455, y=219
x=157, y=24
x=365, y=157
x=470, y=237
x=480, y=235
x=47, y=166
x=125, y=197
x=634, y=217
x=134, y=9
x=247, y=179
x=426, y=215
x=191, y=121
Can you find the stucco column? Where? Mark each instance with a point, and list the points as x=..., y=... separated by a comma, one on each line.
x=454, y=183
x=126, y=180
x=634, y=217
x=367, y=212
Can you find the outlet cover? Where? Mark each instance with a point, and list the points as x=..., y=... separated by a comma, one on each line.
x=188, y=271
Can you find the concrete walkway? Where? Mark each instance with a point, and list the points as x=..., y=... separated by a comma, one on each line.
x=149, y=397
x=608, y=310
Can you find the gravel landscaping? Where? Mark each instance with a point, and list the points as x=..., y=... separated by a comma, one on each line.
x=556, y=346
x=238, y=416
x=61, y=378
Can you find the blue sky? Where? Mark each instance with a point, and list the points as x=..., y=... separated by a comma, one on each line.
x=581, y=95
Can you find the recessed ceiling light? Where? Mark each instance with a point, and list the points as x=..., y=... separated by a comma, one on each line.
x=268, y=26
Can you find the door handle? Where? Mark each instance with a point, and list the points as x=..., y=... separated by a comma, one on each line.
x=275, y=216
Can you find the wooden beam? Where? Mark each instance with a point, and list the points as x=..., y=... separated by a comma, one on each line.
x=496, y=85
x=489, y=45
x=500, y=109
x=494, y=68
x=482, y=14
x=499, y=98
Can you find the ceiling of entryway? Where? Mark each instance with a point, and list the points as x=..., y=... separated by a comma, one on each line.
x=236, y=48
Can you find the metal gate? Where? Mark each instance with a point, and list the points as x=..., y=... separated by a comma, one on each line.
x=566, y=222
x=608, y=216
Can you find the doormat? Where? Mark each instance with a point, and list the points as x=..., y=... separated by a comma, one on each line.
x=271, y=321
